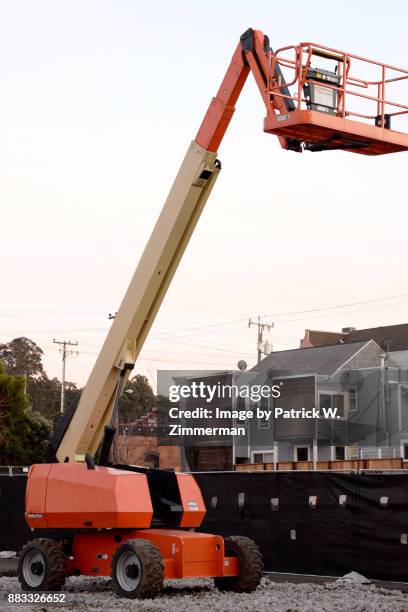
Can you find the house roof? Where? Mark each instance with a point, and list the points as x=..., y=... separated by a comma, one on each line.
x=314, y=360
x=389, y=338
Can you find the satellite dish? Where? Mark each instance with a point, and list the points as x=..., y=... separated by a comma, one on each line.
x=242, y=365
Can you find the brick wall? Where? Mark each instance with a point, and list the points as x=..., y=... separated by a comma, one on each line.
x=141, y=450
x=210, y=458
x=314, y=337
x=139, y=446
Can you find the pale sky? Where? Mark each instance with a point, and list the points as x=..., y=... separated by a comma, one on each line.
x=100, y=100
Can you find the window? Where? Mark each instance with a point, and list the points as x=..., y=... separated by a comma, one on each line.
x=332, y=401
x=301, y=453
x=340, y=453
x=338, y=403
x=405, y=451
x=268, y=457
x=263, y=457
x=403, y=407
x=352, y=407
x=264, y=423
x=352, y=452
x=240, y=405
x=152, y=459
x=324, y=401
x=258, y=458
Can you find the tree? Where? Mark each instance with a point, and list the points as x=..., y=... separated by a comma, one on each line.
x=45, y=396
x=137, y=400
x=22, y=356
x=23, y=436
x=72, y=394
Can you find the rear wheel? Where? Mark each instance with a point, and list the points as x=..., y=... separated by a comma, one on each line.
x=41, y=566
x=251, y=565
x=138, y=570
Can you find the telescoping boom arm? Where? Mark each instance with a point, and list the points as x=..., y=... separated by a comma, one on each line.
x=175, y=225
x=82, y=431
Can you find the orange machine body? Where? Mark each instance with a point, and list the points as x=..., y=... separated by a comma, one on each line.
x=105, y=506
x=191, y=501
x=68, y=495
x=186, y=554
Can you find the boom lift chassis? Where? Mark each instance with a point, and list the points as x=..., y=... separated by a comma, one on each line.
x=137, y=524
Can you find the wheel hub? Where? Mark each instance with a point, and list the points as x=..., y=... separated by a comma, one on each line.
x=132, y=571
x=37, y=568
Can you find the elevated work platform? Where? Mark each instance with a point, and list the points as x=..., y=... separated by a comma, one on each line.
x=336, y=100
x=321, y=132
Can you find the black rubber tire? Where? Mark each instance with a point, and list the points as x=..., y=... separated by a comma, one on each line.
x=54, y=565
x=251, y=563
x=151, y=569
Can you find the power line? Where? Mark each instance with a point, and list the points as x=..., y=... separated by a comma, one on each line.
x=202, y=326
x=345, y=312
x=322, y=309
x=209, y=347
x=210, y=325
x=56, y=310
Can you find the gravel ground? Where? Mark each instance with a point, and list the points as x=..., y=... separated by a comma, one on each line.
x=200, y=595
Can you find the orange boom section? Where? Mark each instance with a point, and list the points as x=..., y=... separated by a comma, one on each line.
x=68, y=495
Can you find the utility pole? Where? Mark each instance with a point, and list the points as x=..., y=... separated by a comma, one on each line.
x=65, y=352
x=261, y=328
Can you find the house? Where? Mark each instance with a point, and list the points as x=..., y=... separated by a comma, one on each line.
x=145, y=441
x=391, y=338
x=367, y=387
x=364, y=378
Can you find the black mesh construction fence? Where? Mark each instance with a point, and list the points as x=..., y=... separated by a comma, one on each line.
x=305, y=522
x=315, y=522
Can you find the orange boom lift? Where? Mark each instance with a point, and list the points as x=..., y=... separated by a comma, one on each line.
x=137, y=524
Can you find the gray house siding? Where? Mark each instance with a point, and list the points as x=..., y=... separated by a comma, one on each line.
x=368, y=356
x=324, y=453
x=401, y=358
x=375, y=400
x=404, y=406
x=296, y=393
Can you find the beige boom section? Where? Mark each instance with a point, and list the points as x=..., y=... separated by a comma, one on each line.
x=141, y=303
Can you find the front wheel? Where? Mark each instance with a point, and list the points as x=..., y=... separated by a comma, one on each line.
x=251, y=565
x=41, y=566
x=137, y=570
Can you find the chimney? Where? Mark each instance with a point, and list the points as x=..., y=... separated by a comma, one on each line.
x=305, y=342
